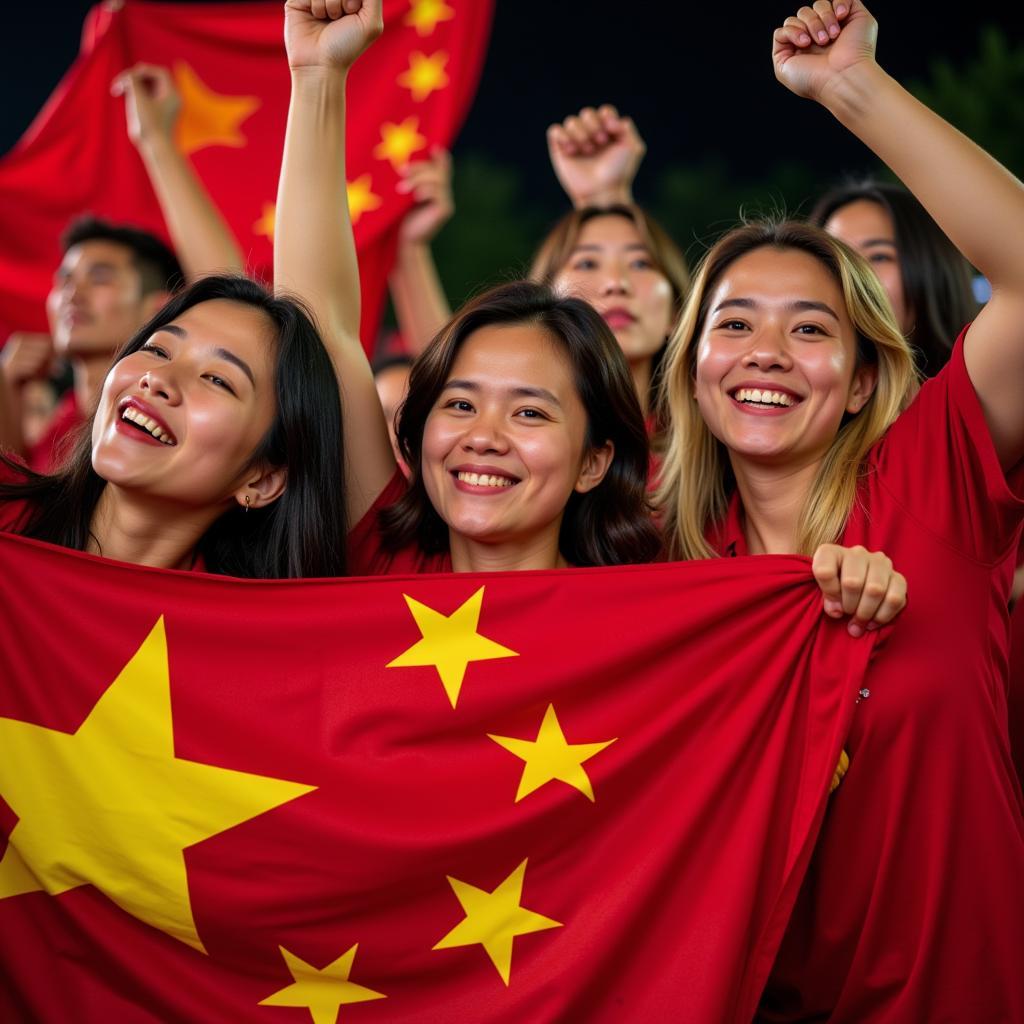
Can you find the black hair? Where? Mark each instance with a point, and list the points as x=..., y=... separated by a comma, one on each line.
x=303, y=532
x=158, y=267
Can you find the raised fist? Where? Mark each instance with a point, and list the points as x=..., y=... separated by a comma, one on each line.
x=430, y=184
x=329, y=34
x=151, y=102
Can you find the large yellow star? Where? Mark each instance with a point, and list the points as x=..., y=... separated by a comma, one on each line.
x=494, y=919
x=425, y=15
x=550, y=756
x=207, y=118
x=399, y=141
x=361, y=198
x=424, y=74
x=110, y=805
x=322, y=992
x=450, y=642
x=265, y=225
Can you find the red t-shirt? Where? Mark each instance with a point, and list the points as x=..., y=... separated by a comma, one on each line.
x=46, y=454
x=913, y=906
x=13, y=511
x=367, y=555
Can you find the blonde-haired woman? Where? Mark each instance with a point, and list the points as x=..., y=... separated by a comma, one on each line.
x=796, y=420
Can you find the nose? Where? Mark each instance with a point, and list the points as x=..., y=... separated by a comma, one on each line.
x=159, y=382
x=485, y=435
x=616, y=280
x=768, y=350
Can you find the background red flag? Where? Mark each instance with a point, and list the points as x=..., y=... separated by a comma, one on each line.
x=409, y=93
x=583, y=795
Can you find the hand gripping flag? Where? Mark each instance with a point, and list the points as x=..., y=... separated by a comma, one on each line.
x=538, y=796
x=410, y=92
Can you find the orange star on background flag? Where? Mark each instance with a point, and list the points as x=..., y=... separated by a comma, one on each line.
x=424, y=74
x=426, y=15
x=207, y=118
x=399, y=141
x=265, y=225
x=361, y=198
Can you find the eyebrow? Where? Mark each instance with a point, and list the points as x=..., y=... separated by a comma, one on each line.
x=878, y=241
x=593, y=246
x=798, y=305
x=221, y=353
x=518, y=392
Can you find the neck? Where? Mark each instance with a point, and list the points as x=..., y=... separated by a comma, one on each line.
x=146, y=531
x=641, y=373
x=89, y=372
x=773, y=500
x=473, y=556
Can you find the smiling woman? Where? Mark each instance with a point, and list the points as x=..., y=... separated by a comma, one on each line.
x=216, y=443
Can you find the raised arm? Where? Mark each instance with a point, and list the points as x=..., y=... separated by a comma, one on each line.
x=26, y=357
x=421, y=306
x=314, y=253
x=595, y=154
x=202, y=239
x=975, y=200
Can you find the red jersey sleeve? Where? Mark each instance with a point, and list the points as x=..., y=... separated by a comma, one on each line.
x=939, y=464
x=367, y=555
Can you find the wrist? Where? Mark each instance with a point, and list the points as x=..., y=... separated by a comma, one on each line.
x=318, y=77
x=156, y=145
x=620, y=195
x=856, y=92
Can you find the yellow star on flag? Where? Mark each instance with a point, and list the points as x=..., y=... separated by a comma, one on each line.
x=322, y=992
x=551, y=757
x=450, y=642
x=110, y=805
x=399, y=141
x=494, y=919
x=207, y=118
x=265, y=225
x=361, y=198
x=425, y=15
x=424, y=74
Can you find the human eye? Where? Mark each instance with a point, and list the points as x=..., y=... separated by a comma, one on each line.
x=731, y=325
x=458, y=405
x=811, y=329
x=642, y=263
x=881, y=257
x=583, y=263
x=155, y=349
x=531, y=413
x=219, y=382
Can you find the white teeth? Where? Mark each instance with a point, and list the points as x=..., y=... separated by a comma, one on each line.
x=759, y=397
x=148, y=424
x=485, y=480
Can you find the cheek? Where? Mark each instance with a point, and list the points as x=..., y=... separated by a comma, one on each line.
x=576, y=285
x=657, y=301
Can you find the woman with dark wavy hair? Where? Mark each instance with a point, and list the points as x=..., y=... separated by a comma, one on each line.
x=927, y=279
x=216, y=444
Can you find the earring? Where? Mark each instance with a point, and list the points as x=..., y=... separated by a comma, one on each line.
x=247, y=500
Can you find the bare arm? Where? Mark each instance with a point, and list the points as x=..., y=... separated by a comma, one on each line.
x=975, y=200
x=314, y=252
x=26, y=356
x=202, y=239
x=595, y=155
x=421, y=305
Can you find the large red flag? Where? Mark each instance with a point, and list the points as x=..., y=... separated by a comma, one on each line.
x=408, y=93
x=537, y=796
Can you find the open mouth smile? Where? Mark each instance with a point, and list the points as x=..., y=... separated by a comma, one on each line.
x=146, y=424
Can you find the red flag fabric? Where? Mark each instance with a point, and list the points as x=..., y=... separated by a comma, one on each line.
x=537, y=796
x=408, y=93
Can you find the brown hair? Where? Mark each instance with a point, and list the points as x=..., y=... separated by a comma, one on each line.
x=609, y=525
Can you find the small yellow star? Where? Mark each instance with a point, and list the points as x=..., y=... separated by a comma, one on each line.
x=550, y=757
x=494, y=919
x=111, y=804
x=450, y=642
x=265, y=225
x=399, y=141
x=424, y=74
x=322, y=992
x=361, y=198
x=207, y=118
x=425, y=15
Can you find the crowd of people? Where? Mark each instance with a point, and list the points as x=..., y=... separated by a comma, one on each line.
x=827, y=387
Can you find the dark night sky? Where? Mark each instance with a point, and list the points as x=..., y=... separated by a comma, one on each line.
x=697, y=85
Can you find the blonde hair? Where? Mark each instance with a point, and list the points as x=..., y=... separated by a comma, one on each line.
x=696, y=477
